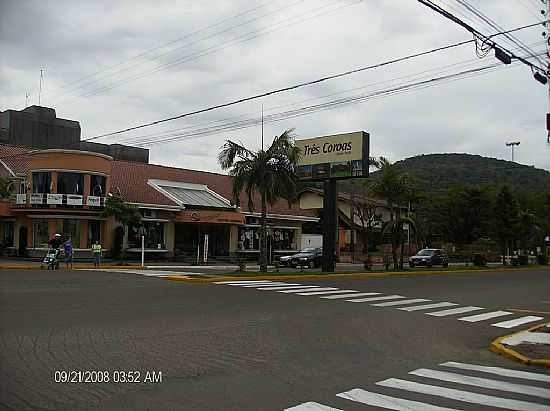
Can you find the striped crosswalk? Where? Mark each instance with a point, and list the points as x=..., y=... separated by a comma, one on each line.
x=447, y=387
x=443, y=309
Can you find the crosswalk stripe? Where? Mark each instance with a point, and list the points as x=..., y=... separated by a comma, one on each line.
x=453, y=311
x=260, y=286
x=312, y=406
x=306, y=289
x=485, y=316
x=482, y=382
x=256, y=285
x=504, y=372
x=283, y=287
x=326, y=292
x=242, y=282
x=365, y=300
x=400, y=302
x=464, y=396
x=391, y=403
x=427, y=306
x=517, y=321
x=334, y=297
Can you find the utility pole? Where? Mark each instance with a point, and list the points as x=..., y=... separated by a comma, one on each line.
x=40, y=88
x=512, y=145
x=546, y=36
x=262, y=126
x=27, y=95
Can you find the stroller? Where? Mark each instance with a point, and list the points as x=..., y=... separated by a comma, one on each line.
x=51, y=260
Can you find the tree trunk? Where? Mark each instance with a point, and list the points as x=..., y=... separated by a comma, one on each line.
x=402, y=241
x=263, y=236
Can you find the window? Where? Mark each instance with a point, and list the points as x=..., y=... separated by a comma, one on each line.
x=8, y=234
x=97, y=185
x=70, y=183
x=249, y=238
x=154, y=235
x=94, y=232
x=284, y=239
x=41, y=182
x=71, y=228
x=40, y=233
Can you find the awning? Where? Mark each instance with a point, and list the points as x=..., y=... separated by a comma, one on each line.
x=209, y=216
x=189, y=194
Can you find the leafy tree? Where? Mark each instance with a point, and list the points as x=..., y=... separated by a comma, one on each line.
x=505, y=219
x=271, y=173
x=366, y=211
x=126, y=214
x=396, y=188
x=4, y=188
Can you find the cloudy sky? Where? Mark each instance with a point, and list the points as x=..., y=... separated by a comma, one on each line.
x=116, y=64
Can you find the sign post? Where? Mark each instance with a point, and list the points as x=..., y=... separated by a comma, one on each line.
x=142, y=233
x=205, y=249
x=328, y=159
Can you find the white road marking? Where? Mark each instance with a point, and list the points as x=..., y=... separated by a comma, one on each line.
x=483, y=382
x=256, y=285
x=312, y=406
x=427, y=306
x=504, y=372
x=527, y=337
x=242, y=282
x=465, y=396
x=400, y=302
x=390, y=403
x=334, y=297
x=270, y=285
x=365, y=300
x=485, y=316
x=286, y=287
x=326, y=292
x=306, y=289
x=453, y=311
x=518, y=321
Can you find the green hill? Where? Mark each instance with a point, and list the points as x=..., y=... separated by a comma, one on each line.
x=439, y=172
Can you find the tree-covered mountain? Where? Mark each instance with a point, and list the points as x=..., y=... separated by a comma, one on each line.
x=439, y=172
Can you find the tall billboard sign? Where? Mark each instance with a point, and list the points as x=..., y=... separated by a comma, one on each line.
x=338, y=156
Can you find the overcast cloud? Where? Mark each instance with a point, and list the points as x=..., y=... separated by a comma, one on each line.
x=231, y=49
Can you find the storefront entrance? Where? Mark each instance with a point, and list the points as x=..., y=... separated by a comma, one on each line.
x=190, y=242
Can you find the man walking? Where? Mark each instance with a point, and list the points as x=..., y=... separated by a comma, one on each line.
x=96, y=250
x=68, y=250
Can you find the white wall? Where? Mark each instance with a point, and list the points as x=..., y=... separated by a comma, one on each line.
x=311, y=240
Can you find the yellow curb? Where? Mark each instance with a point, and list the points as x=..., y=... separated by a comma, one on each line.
x=176, y=277
x=499, y=348
x=346, y=275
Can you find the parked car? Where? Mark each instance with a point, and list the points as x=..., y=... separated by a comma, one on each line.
x=309, y=257
x=429, y=257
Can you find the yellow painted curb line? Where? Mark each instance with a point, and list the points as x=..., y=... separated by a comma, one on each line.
x=345, y=275
x=61, y=266
x=499, y=348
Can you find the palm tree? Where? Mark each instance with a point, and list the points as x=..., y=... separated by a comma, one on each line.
x=396, y=188
x=270, y=173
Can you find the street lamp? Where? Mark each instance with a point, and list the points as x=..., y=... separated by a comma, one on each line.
x=512, y=144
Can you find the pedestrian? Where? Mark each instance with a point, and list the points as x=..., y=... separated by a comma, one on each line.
x=68, y=249
x=96, y=250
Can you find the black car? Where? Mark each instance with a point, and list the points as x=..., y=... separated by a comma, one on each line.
x=308, y=257
x=429, y=257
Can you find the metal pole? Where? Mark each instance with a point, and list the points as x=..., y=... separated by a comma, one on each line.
x=142, y=250
x=329, y=225
x=40, y=89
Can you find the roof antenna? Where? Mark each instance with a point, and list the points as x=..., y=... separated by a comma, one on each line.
x=40, y=89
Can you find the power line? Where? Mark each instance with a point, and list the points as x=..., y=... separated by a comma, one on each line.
x=493, y=25
x=151, y=138
x=299, y=85
x=215, y=48
x=476, y=33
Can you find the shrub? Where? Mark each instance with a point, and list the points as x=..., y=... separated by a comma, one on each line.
x=523, y=259
x=542, y=259
x=242, y=265
x=367, y=263
x=479, y=260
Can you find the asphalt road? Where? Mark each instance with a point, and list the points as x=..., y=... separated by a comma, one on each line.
x=224, y=347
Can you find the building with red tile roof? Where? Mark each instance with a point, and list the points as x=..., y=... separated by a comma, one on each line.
x=186, y=214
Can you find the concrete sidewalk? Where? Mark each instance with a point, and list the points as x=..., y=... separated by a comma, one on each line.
x=531, y=346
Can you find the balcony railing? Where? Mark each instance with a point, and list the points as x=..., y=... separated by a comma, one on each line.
x=64, y=200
